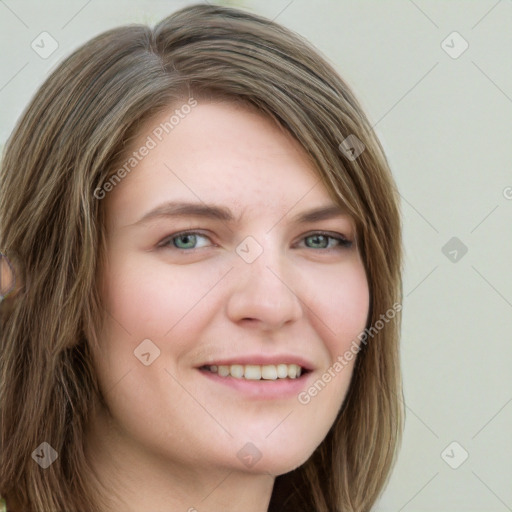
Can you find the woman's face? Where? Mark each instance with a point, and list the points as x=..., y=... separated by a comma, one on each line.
x=257, y=281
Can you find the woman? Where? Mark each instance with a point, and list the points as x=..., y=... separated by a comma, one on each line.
x=255, y=369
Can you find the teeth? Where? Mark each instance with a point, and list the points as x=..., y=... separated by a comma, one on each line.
x=269, y=372
x=252, y=372
x=282, y=371
x=258, y=372
x=223, y=371
x=236, y=370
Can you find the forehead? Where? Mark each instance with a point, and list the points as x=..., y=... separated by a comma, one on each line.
x=220, y=153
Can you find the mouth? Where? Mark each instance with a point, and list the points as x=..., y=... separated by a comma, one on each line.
x=256, y=372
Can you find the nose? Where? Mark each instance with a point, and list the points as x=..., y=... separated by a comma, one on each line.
x=263, y=293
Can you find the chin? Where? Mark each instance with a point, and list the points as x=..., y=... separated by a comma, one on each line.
x=270, y=467
x=275, y=456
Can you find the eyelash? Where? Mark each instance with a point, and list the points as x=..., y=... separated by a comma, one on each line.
x=344, y=243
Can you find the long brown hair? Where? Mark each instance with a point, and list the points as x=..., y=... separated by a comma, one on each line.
x=66, y=144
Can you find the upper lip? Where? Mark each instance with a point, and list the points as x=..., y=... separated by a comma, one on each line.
x=261, y=359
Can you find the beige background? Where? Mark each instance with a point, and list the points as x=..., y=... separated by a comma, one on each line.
x=445, y=124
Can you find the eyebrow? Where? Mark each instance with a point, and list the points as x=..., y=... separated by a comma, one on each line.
x=221, y=213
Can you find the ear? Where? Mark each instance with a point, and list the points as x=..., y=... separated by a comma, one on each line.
x=7, y=277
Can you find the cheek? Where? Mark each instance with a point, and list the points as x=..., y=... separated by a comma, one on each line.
x=147, y=297
x=341, y=305
x=339, y=311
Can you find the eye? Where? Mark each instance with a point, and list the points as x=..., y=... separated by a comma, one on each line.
x=321, y=240
x=185, y=240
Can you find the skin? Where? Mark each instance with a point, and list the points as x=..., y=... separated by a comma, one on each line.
x=7, y=278
x=168, y=437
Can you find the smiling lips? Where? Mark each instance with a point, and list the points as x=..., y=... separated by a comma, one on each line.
x=256, y=371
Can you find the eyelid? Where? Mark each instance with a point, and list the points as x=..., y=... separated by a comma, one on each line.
x=345, y=242
x=163, y=243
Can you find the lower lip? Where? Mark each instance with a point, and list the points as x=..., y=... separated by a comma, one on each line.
x=262, y=389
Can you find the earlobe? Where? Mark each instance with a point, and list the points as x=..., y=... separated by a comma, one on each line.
x=9, y=281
